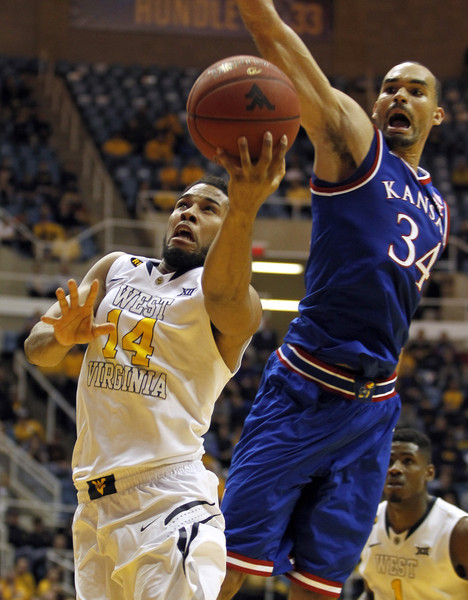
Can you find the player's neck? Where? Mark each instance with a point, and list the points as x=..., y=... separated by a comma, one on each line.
x=403, y=515
x=410, y=155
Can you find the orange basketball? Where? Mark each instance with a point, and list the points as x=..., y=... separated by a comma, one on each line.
x=241, y=96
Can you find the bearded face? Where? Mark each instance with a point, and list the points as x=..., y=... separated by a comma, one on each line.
x=179, y=258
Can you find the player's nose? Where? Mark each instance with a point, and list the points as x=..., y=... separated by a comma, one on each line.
x=189, y=215
x=395, y=467
x=401, y=95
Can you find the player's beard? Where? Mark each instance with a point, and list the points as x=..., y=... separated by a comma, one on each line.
x=394, y=142
x=178, y=259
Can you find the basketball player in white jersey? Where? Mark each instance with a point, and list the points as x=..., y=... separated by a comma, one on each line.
x=163, y=339
x=418, y=548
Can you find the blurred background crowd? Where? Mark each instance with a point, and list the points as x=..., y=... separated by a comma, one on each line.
x=132, y=121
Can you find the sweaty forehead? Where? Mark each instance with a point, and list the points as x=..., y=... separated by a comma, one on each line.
x=204, y=190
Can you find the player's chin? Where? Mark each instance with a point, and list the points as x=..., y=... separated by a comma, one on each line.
x=398, y=138
x=393, y=494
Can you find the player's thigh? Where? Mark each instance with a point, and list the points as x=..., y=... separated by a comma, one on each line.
x=93, y=570
x=190, y=563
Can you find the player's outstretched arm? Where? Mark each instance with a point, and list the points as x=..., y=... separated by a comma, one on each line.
x=233, y=305
x=338, y=127
x=70, y=320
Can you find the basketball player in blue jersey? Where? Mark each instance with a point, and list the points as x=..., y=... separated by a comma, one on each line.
x=418, y=547
x=163, y=339
x=308, y=471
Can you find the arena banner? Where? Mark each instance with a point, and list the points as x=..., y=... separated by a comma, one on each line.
x=310, y=18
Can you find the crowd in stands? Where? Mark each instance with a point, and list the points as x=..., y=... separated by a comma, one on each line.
x=39, y=195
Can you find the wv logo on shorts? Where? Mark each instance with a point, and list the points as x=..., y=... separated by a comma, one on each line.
x=97, y=488
x=258, y=99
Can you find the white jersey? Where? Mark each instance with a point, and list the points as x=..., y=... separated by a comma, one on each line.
x=146, y=393
x=414, y=565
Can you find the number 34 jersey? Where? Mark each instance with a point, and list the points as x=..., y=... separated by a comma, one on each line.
x=375, y=239
x=415, y=564
x=146, y=392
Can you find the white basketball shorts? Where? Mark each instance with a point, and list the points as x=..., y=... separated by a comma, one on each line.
x=159, y=536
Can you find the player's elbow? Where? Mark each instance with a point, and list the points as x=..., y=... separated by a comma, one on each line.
x=32, y=352
x=37, y=354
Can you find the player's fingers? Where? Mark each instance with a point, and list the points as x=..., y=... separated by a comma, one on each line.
x=103, y=329
x=93, y=290
x=62, y=300
x=73, y=293
x=244, y=153
x=282, y=147
x=49, y=320
x=277, y=167
x=267, y=150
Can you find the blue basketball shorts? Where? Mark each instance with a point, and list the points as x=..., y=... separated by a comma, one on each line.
x=308, y=473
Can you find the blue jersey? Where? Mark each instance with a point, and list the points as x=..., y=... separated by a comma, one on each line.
x=375, y=239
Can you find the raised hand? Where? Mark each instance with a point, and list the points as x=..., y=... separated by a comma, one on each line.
x=251, y=183
x=76, y=324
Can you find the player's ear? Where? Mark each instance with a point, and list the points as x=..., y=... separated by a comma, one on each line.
x=439, y=115
x=430, y=472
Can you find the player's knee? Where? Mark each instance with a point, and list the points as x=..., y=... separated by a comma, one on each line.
x=231, y=584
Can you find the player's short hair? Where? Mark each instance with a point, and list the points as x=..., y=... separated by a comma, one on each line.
x=213, y=180
x=421, y=440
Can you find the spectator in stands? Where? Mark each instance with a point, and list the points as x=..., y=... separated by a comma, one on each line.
x=48, y=231
x=36, y=448
x=169, y=125
x=24, y=579
x=18, y=536
x=117, y=147
x=449, y=456
x=72, y=213
x=169, y=176
x=8, y=588
x=138, y=130
x=190, y=171
x=159, y=149
x=453, y=399
x=297, y=196
x=26, y=427
x=51, y=582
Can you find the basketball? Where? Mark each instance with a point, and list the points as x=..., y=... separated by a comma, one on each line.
x=241, y=96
